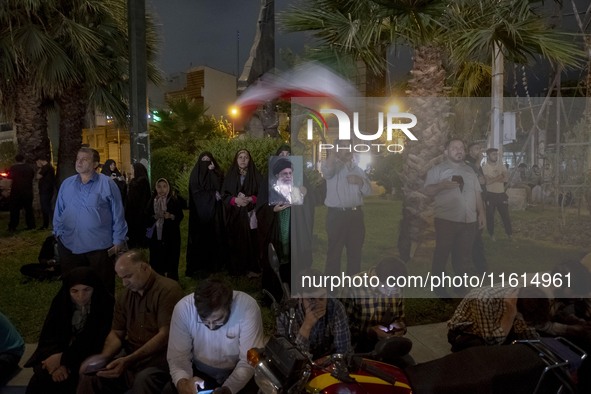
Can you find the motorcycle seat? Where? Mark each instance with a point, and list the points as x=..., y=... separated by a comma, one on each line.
x=480, y=369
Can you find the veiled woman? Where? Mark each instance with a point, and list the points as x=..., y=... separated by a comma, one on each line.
x=110, y=169
x=206, y=238
x=164, y=215
x=138, y=195
x=76, y=326
x=240, y=191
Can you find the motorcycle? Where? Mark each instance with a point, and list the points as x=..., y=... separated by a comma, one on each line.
x=532, y=366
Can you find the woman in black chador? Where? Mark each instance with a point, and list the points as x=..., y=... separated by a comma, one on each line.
x=138, y=195
x=205, y=243
x=76, y=326
x=240, y=191
x=110, y=169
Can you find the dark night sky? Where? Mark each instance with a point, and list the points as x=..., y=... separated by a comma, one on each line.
x=203, y=32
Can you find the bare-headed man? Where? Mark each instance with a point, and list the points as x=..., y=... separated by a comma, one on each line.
x=139, y=334
x=459, y=211
x=89, y=221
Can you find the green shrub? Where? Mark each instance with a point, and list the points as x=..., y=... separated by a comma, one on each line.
x=260, y=148
x=7, y=153
x=182, y=182
x=176, y=166
x=168, y=163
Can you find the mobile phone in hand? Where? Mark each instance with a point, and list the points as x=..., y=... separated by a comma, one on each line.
x=459, y=180
x=92, y=369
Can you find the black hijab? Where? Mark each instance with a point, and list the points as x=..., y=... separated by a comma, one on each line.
x=139, y=171
x=250, y=186
x=202, y=178
x=57, y=333
x=107, y=168
x=283, y=148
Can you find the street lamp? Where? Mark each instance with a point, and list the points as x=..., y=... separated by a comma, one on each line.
x=233, y=114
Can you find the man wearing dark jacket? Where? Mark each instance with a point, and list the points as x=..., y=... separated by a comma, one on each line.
x=46, y=177
x=21, y=193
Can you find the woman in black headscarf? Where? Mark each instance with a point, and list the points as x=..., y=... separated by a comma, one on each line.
x=76, y=326
x=240, y=191
x=205, y=243
x=164, y=215
x=110, y=169
x=138, y=195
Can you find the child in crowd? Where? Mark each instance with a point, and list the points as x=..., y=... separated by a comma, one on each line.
x=164, y=212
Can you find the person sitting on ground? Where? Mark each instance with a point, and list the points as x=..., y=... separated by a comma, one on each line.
x=570, y=309
x=12, y=348
x=568, y=305
x=76, y=325
x=134, y=352
x=496, y=316
x=320, y=326
x=210, y=333
x=376, y=313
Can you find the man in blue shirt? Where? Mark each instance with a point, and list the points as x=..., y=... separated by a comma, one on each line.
x=89, y=221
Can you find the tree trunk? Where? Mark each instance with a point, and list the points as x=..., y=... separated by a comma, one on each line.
x=31, y=123
x=72, y=108
x=427, y=92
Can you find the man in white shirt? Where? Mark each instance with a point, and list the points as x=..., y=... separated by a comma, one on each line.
x=346, y=184
x=210, y=332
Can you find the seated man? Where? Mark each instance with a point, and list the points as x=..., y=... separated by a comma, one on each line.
x=210, y=333
x=569, y=305
x=134, y=353
x=496, y=316
x=12, y=348
x=320, y=326
x=376, y=312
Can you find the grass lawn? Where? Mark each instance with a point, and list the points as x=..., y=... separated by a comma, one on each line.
x=543, y=237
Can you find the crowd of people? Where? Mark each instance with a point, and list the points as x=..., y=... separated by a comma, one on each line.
x=152, y=338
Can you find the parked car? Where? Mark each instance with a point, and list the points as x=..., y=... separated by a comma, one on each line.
x=5, y=183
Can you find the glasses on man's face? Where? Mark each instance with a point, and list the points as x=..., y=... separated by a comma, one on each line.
x=214, y=324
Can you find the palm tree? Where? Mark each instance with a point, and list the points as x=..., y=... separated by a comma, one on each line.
x=364, y=34
x=27, y=54
x=347, y=31
x=70, y=53
x=184, y=124
x=425, y=25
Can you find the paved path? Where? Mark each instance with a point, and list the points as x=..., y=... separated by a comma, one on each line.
x=19, y=383
x=429, y=342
